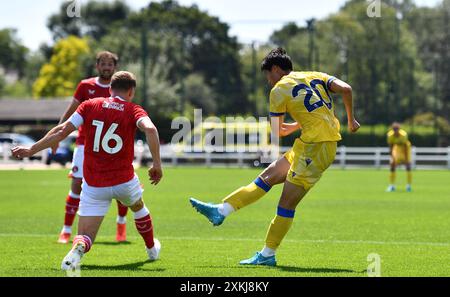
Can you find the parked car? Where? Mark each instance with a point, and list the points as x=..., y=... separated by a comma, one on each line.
x=64, y=152
x=15, y=139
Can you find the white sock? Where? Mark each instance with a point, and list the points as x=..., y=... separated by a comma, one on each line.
x=267, y=252
x=67, y=229
x=226, y=209
x=121, y=220
x=73, y=195
x=141, y=213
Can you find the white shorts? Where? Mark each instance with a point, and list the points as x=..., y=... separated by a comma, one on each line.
x=77, y=162
x=95, y=201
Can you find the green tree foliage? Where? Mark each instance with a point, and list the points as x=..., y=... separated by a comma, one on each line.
x=12, y=52
x=60, y=76
x=255, y=83
x=199, y=94
x=431, y=30
x=97, y=18
x=377, y=56
x=184, y=38
x=2, y=85
x=195, y=43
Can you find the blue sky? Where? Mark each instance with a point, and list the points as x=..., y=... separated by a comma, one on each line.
x=250, y=20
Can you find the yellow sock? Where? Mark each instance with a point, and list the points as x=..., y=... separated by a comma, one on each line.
x=279, y=227
x=409, y=177
x=247, y=195
x=392, y=177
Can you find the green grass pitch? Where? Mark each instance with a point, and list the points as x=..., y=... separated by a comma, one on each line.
x=346, y=217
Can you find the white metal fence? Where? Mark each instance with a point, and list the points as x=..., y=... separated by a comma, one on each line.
x=378, y=157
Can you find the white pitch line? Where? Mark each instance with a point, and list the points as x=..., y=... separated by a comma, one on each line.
x=332, y=241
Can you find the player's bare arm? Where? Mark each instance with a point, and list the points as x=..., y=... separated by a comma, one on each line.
x=345, y=90
x=284, y=129
x=53, y=137
x=152, y=137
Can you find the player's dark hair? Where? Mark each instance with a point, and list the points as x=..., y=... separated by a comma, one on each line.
x=277, y=57
x=123, y=81
x=107, y=55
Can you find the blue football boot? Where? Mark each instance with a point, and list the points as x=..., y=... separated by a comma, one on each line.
x=259, y=259
x=209, y=210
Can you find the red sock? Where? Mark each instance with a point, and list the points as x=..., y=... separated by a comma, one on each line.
x=71, y=210
x=85, y=240
x=145, y=228
x=122, y=209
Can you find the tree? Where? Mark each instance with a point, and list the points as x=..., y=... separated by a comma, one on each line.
x=199, y=43
x=97, y=19
x=377, y=56
x=256, y=85
x=60, y=76
x=12, y=52
x=431, y=29
x=191, y=40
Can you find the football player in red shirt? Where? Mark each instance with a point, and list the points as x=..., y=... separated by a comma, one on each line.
x=110, y=125
x=87, y=89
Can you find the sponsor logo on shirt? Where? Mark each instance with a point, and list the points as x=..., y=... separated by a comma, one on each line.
x=91, y=92
x=113, y=105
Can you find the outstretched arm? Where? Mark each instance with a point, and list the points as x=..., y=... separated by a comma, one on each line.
x=340, y=87
x=151, y=134
x=53, y=137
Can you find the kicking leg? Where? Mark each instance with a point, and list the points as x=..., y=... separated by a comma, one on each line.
x=272, y=175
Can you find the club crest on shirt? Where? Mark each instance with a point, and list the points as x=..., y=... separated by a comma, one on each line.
x=308, y=161
x=75, y=169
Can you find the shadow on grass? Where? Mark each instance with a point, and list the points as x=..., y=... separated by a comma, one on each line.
x=112, y=243
x=315, y=269
x=129, y=266
x=293, y=269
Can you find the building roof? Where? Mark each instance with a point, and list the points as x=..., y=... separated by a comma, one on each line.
x=29, y=110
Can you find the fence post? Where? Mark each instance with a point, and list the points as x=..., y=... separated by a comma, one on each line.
x=240, y=159
x=413, y=157
x=5, y=151
x=448, y=157
x=208, y=159
x=378, y=158
x=342, y=155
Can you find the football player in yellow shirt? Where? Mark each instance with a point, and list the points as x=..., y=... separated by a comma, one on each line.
x=305, y=96
x=400, y=151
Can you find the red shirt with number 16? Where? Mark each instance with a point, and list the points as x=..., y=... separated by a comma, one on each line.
x=110, y=126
